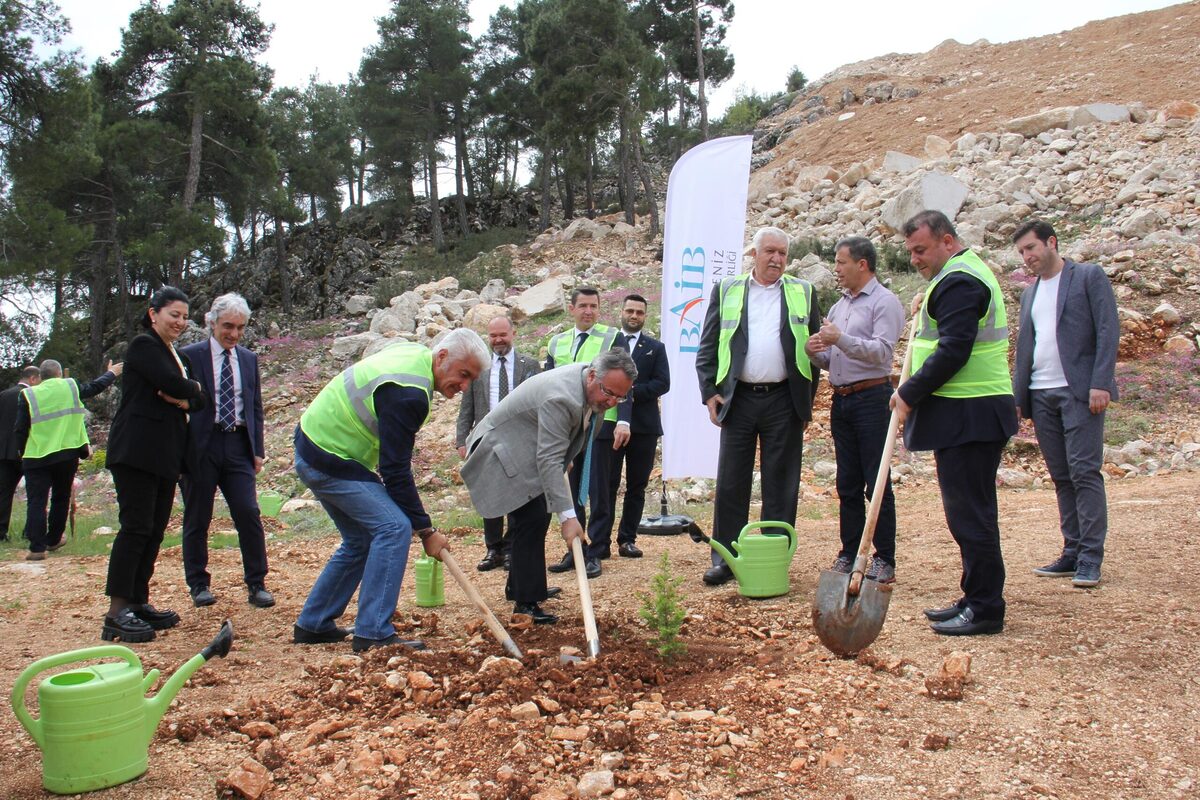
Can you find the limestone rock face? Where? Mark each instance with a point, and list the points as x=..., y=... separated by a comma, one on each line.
x=1092, y=113
x=1033, y=124
x=544, y=298
x=936, y=146
x=478, y=316
x=359, y=304
x=895, y=161
x=351, y=347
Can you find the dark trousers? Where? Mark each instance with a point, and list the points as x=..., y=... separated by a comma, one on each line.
x=859, y=423
x=144, y=508
x=967, y=478
x=527, y=529
x=228, y=465
x=637, y=458
x=54, y=483
x=494, y=536
x=768, y=419
x=10, y=476
x=1072, y=442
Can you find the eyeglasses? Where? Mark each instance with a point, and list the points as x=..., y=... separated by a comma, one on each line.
x=620, y=398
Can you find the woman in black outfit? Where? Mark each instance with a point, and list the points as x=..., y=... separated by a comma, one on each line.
x=145, y=455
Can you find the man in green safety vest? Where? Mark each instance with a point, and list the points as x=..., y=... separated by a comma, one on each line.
x=959, y=404
x=581, y=345
x=52, y=437
x=354, y=448
x=758, y=384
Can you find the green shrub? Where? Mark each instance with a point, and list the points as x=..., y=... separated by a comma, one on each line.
x=796, y=80
x=93, y=463
x=893, y=258
x=662, y=612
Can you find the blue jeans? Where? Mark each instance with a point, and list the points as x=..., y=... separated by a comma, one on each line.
x=376, y=536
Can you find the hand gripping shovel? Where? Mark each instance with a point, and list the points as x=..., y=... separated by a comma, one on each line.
x=493, y=624
x=849, y=612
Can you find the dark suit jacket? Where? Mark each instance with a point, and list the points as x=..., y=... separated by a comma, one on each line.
x=653, y=381
x=1087, y=331
x=148, y=433
x=9, y=447
x=198, y=357
x=801, y=389
x=474, y=404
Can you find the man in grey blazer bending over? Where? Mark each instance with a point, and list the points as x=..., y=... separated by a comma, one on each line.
x=1063, y=380
x=518, y=454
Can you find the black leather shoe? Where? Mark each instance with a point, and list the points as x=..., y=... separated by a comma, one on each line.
x=492, y=560
x=507, y=561
x=965, y=624
x=201, y=597
x=159, y=620
x=303, y=636
x=553, y=591
x=260, y=597
x=604, y=554
x=592, y=567
x=566, y=565
x=943, y=614
x=715, y=576
x=534, y=610
x=60, y=544
x=629, y=550
x=126, y=627
x=361, y=645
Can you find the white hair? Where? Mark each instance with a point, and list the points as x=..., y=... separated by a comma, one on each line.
x=464, y=344
x=225, y=304
x=763, y=233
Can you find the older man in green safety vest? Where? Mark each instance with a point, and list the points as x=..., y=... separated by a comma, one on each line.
x=354, y=448
x=959, y=404
x=758, y=384
x=52, y=437
x=581, y=345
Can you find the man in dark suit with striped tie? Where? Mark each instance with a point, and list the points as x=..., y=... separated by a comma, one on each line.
x=225, y=451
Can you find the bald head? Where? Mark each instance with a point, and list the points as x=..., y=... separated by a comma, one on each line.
x=500, y=333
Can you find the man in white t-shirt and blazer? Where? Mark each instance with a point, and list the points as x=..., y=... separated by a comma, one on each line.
x=1064, y=380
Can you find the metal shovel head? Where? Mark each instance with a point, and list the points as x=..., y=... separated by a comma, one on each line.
x=846, y=625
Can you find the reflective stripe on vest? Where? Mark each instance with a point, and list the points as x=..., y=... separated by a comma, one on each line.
x=797, y=294
x=56, y=418
x=342, y=418
x=986, y=372
x=600, y=338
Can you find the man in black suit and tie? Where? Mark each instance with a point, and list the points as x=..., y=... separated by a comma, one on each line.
x=508, y=370
x=225, y=450
x=758, y=385
x=645, y=427
x=10, y=454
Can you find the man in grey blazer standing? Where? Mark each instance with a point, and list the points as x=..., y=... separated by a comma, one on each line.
x=508, y=370
x=1064, y=380
x=518, y=454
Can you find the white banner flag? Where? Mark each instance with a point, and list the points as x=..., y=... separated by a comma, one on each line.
x=702, y=243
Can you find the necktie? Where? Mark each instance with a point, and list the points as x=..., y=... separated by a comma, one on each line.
x=225, y=408
x=503, y=379
x=585, y=477
x=579, y=340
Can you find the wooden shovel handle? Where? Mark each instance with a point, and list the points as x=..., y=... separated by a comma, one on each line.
x=493, y=624
x=585, y=600
x=881, y=477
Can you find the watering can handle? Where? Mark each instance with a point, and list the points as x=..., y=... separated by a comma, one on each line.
x=18, y=692
x=791, y=532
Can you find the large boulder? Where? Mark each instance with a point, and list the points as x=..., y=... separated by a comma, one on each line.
x=808, y=177
x=895, y=161
x=493, y=292
x=546, y=297
x=585, y=227
x=1141, y=224
x=932, y=191
x=447, y=287
x=936, y=147
x=478, y=317
x=819, y=275
x=400, y=316
x=359, y=304
x=1098, y=112
x=351, y=347
x=1048, y=120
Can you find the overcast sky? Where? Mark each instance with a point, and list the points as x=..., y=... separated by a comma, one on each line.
x=767, y=37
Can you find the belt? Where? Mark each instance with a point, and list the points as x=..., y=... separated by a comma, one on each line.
x=234, y=429
x=851, y=388
x=762, y=388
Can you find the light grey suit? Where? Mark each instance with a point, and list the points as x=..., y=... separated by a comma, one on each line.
x=516, y=459
x=1070, y=436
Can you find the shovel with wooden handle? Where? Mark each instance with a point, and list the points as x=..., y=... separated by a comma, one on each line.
x=585, y=600
x=493, y=624
x=848, y=612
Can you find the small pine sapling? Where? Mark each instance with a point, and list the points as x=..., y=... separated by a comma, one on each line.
x=662, y=612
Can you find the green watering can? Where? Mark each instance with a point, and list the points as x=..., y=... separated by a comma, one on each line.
x=96, y=722
x=431, y=582
x=762, y=561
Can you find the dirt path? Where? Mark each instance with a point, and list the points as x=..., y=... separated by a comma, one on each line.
x=1085, y=695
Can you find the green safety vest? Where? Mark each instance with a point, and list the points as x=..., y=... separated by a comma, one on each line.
x=797, y=294
x=600, y=338
x=342, y=419
x=55, y=418
x=986, y=372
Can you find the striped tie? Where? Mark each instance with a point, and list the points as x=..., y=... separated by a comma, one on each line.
x=225, y=407
x=503, y=388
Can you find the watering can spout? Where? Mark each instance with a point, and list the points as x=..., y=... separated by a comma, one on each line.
x=724, y=552
x=157, y=706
